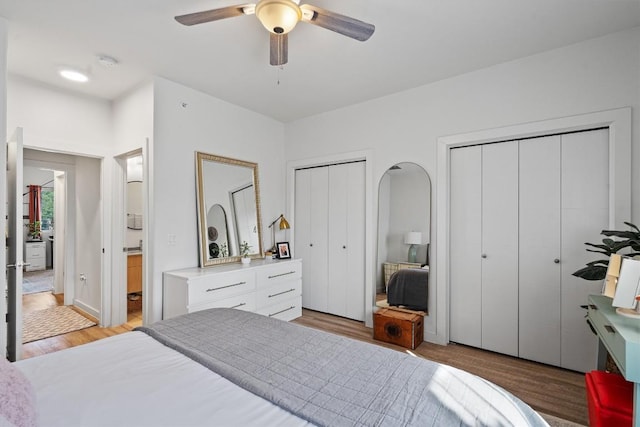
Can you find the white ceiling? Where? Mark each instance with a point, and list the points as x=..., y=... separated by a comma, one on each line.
x=416, y=42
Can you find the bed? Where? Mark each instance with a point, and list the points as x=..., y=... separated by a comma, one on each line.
x=228, y=367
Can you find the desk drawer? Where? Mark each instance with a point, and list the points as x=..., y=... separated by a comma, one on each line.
x=612, y=340
x=220, y=286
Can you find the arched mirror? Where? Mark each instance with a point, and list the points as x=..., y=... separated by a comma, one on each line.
x=228, y=208
x=404, y=224
x=217, y=232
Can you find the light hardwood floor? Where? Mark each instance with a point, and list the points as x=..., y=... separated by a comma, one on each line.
x=548, y=389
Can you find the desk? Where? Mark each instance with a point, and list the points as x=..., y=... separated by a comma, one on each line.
x=620, y=337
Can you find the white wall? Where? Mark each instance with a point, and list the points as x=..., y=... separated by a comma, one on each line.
x=55, y=122
x=133, y=119
x=87, y=295
x=186, y=121
x=596, y=75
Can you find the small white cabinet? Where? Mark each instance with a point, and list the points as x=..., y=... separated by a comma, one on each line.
x=35, y=256
x=268, y=287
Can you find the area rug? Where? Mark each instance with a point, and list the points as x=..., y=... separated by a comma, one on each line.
x=37, y=281
x=50, y=322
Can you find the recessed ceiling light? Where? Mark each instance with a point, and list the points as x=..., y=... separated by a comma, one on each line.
x=74, y=75
x=107, y=61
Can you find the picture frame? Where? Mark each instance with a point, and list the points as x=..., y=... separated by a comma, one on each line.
x=284, y=252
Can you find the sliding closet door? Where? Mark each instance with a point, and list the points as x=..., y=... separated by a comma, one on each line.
x=311, y=210
x=465, y=291
x=539, y=250
x=585, y=212
x=500, y=247
x=346, y=240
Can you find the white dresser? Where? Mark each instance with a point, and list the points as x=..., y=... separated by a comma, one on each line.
x=35, y=256
x=269, y=287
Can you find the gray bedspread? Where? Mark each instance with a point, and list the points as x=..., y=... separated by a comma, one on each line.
x=336, y=381
x=408, y=288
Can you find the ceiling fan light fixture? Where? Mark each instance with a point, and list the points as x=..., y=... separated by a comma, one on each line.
x=278, y=16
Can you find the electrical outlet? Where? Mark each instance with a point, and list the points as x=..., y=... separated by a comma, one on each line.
x=171, y=239
x=83, y=277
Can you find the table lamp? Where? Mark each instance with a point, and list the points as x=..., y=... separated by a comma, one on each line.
x=413, y=238
x=284, y=225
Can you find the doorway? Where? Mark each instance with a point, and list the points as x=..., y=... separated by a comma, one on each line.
x=62, y=244
x=134, y=246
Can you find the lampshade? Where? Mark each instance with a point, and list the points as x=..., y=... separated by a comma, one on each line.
x=284, y=224
x=413, y=238
x=278, y=16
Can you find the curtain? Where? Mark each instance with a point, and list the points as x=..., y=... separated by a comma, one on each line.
x=35, y=208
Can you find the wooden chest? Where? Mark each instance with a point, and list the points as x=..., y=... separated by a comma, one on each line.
x=397, y=327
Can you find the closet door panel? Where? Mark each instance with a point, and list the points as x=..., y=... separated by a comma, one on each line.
x=338, y=233
x=585, y=212
x=499, y=299
x=465, y=246
x=311, y=235
x=356, y=240
x=539, y=250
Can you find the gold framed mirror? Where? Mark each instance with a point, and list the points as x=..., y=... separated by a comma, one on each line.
x=228, y=202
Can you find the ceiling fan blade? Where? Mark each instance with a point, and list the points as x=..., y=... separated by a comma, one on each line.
x=278, y=49
x=212, y=15
x=342, y=24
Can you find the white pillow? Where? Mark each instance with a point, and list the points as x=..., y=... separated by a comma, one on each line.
x=17, y=397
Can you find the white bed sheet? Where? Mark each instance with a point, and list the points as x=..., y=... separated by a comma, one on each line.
x=133, y=380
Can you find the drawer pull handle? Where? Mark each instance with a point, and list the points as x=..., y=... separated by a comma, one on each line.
x=280, y=293
x=282, y=311
x=228, y=286
x=239, y=305
x=281, y=274
x=610, y=329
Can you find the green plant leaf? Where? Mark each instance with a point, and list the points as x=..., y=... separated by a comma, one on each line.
x=595, y=272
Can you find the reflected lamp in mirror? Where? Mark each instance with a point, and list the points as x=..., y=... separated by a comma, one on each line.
x=413, y=239
x=284, y=225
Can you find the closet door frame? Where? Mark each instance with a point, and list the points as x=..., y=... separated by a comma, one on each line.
x=369, y=247
x=618, y=122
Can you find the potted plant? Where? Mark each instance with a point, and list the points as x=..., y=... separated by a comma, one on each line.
x=597, y=270
x=244, y=252
x=34, y=230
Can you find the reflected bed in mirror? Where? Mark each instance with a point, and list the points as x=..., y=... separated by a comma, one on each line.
x=228, y=199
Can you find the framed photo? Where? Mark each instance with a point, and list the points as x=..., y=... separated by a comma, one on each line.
x=283, y=250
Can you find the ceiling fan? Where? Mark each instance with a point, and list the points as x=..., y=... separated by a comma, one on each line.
x=279, y=17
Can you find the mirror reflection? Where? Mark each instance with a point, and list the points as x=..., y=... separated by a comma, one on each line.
x=134, y=205
x=228, y=208
x=404, y=224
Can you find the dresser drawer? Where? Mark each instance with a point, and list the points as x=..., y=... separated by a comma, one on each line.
x=220, y=286
x=284, y=310
x=246, y=302
x=278, y=292
x=279, y=272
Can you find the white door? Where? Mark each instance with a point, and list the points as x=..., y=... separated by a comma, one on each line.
x=465, y=326
x=346, y=243
x=539, y=250
x=15, y=244
x=585, y=212
x=499, y=300
x=311, y=207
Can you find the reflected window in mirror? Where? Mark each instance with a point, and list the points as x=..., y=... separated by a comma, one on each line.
x=228, y=208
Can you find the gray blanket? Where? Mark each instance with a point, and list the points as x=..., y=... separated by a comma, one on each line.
x=335, y=381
